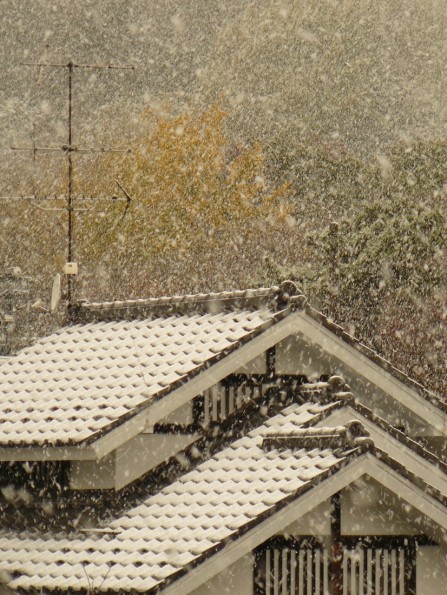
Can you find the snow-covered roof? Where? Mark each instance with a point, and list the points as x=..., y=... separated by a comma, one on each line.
x=75, y=383
x=81, y=382
x=175, y=527
x=158, y=539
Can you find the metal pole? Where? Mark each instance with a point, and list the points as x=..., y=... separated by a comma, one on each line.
x=70, y=185
x=69, y=149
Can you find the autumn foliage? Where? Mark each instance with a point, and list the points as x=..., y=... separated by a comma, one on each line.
x=189, y=188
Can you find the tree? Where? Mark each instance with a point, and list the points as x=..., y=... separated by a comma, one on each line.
x=193, y=195
x=187, y=182
x=390, y=245
x=383, y=275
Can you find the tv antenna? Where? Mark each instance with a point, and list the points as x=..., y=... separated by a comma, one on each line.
x=71, y=267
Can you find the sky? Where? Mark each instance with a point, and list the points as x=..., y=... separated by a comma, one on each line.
x=358, y=73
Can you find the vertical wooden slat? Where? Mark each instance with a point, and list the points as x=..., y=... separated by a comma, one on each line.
x=353, y=561
x=385, y=571
x=318, y=573
x=378, y=564
x=361, y=571
x=337, y=547
x=206, y=408
x=260, y=574
x=410, y=567
x=401, y=572
x=232, y=390
x=223, y=403
x=268, y=571
x=275, y=573
x=310, y=573
x=369, y=571
x=270, y=361
x=345, y=569
x=325, y=572
x=393, y=572
x=214, y=405
x=301, y=569
x=238, y=400
x=293, y=568
x=285, y=571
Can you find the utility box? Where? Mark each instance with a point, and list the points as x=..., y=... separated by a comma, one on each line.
x=71, y=268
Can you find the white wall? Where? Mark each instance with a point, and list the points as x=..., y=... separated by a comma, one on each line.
x=431, y=571
x=297, y=355
x=237, y=579
x=182, y=415
x=93, y=475
x=368, y=509
x=146, y=451
x=129, y=462
x=316, y=522
x=256, y=366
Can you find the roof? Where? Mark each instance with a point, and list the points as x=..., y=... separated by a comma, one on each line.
x=70, y=386
x=286, y=296
x=118, y=358
x=171, y=529
x=161, y=537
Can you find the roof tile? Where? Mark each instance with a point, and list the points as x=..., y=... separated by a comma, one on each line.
x=165, y=532
x=81, y=379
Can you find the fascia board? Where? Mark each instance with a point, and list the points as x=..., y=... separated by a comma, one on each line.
x=366, y=464
x=159, y=409
x=47, y=453
x=295, y=323
x=119, y=435
x=373, y=373
x=408, y=458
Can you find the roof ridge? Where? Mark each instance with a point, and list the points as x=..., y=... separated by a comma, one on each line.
x=273, y=298
x=350, y=435
x=347, y=399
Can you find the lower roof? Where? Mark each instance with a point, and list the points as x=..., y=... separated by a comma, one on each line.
x=159, y=538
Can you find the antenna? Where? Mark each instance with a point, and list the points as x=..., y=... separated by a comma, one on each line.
x=69, y=149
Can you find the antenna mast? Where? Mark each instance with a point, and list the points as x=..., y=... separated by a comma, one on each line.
x=69, y=149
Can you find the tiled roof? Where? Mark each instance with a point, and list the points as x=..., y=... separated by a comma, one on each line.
x=75, y=383
x=158, y=538
x=185, y=521
x=286, y=295
x=71, y=387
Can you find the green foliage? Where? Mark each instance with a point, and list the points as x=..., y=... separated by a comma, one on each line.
x=326, y=180
x=390, y=244
x=383, y=274
x=416, y=170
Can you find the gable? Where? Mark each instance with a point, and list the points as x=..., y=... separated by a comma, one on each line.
x=86, y=390
x=431, y=514
x=217, y=513
x=305, y=346
x=398, y=445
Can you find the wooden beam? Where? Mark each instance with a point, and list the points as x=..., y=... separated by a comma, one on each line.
x=336, y=565
x=271, y=361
